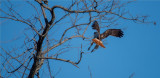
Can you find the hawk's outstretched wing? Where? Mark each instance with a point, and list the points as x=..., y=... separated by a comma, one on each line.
x=96, y=26
x=112, y=32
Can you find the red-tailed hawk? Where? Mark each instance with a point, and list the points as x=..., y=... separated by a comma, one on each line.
x=98, y=37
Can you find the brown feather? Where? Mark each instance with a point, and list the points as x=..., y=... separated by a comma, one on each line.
x=112, y=32
x=96, y=26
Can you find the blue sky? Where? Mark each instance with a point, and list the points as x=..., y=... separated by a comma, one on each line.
x=137, y=52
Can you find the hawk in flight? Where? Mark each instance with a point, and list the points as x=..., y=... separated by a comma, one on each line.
x=98, y=37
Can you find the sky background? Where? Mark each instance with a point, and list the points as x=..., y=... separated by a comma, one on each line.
x=137, y=52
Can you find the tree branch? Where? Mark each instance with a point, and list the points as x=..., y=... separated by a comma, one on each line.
x=58, y=44
x=22, y=21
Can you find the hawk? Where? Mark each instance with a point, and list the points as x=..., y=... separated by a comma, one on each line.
x=98, y=37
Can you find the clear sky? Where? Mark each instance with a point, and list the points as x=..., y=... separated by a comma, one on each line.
x=137, y=52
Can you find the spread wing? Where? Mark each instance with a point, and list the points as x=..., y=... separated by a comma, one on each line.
x=112, y=32
x=96, y=26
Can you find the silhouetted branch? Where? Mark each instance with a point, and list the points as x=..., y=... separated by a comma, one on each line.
x=131, y=76
x=73, y=63
x=80, y=36
x=90, y=71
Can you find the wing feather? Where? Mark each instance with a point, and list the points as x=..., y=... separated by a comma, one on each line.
x=96, y=26
x=112, y=32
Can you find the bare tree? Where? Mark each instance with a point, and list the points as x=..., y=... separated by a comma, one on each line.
x=72, y=19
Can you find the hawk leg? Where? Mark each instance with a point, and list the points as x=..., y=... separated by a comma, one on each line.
x=96, y=47
x=90, y=45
